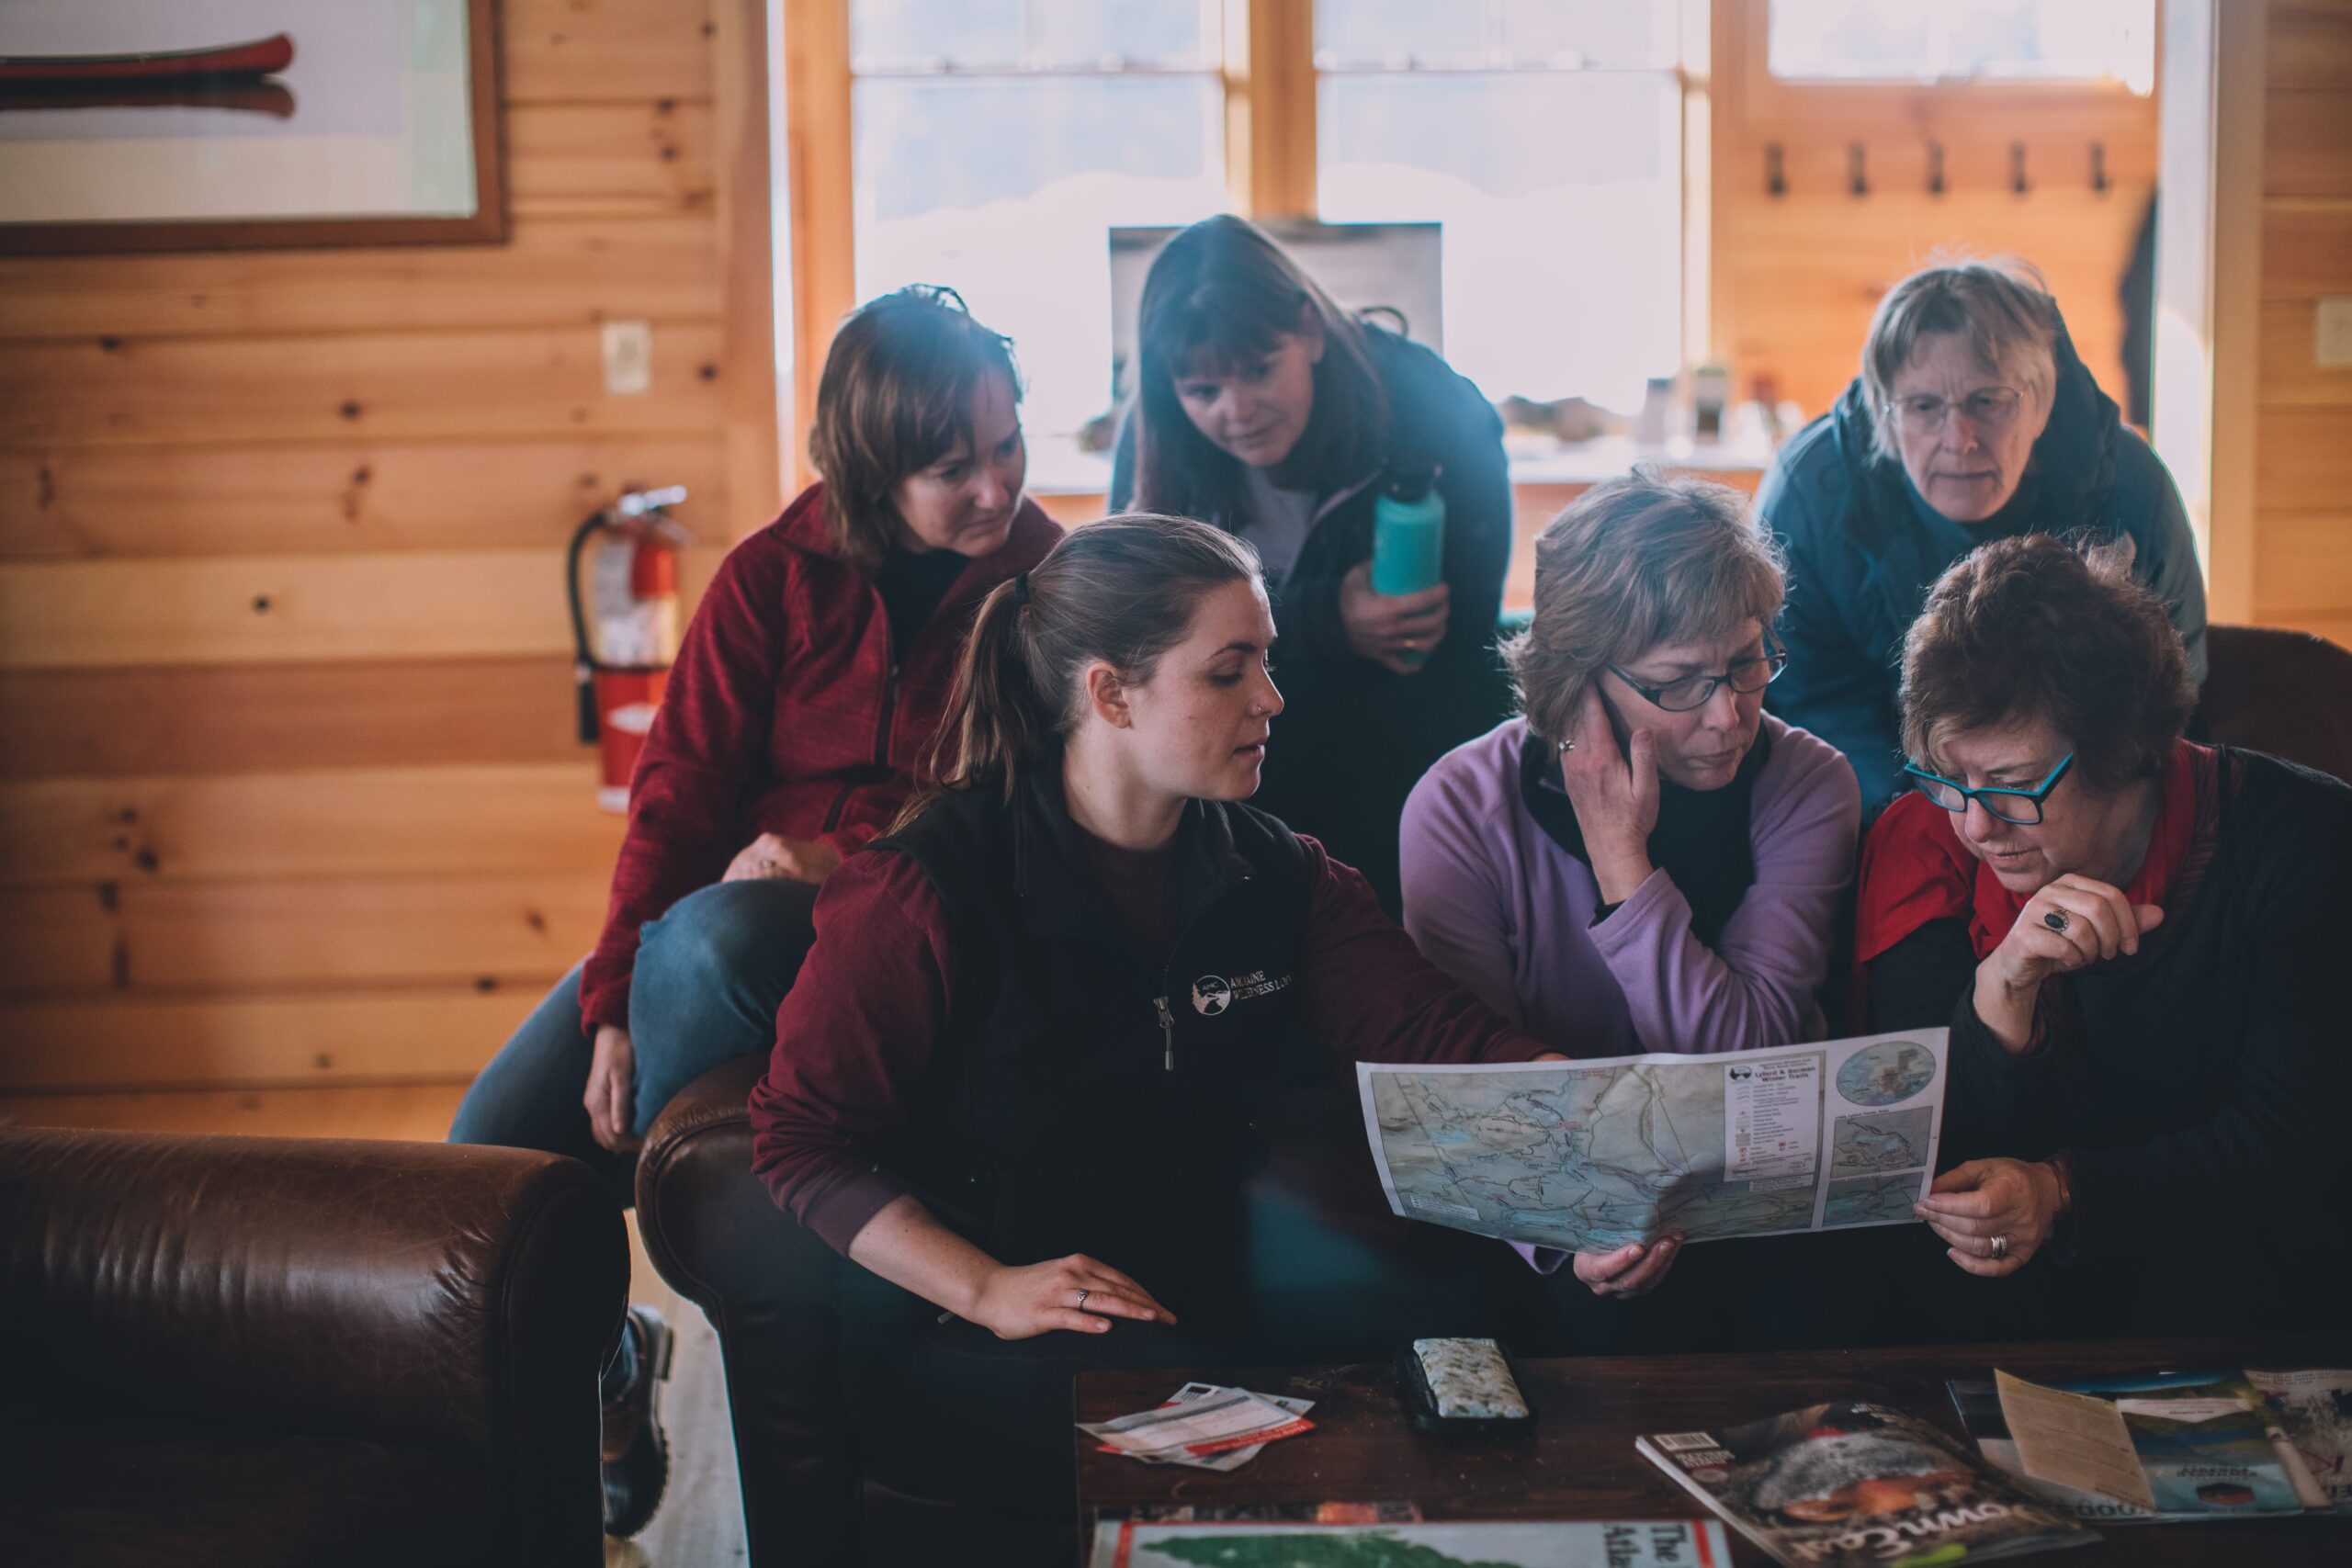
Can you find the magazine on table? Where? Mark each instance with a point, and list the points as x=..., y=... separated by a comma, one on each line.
x=2209, y=1445
x=1832, y=1485
x=2314, y=1409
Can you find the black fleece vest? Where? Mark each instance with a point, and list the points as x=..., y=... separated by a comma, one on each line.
x=1086, y=1091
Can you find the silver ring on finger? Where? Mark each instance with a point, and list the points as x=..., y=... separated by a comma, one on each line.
x=2000, y=1248
x=1081, y=1299
x=2056, y=920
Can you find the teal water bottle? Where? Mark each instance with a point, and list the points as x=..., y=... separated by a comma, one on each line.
x=1408, y=537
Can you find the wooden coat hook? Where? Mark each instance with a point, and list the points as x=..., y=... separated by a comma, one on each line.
x=1857, y=177
x=1775, y=183
x=2017, y=169
x=1935, y=168
x=2099, y=167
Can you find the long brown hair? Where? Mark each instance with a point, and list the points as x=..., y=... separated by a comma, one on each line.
x=896, y=396
x=1221, y=293
x=1122, y=590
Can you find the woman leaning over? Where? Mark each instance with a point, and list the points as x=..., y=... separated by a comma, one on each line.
x=2137, y=942
x=1017, y=1077
x=1263, y=408
x=1645, y=860
x=1972, y=420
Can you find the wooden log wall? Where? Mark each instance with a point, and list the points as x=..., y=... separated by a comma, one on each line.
x=2302, y=544
x=289, y=790
x=1797, y=273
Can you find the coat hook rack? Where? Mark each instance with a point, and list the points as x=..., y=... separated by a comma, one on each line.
x=2099, y=167
x=2017, y=169
x=1857, y=177
x=1775, y=183
x=1935, y=168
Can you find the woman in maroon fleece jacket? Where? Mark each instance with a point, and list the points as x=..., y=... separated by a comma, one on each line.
x=794, y=727
x=1019, y=1077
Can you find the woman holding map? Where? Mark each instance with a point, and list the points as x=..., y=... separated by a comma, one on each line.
x=1645, y=860
x=1019, y=1079
x=2137, y=942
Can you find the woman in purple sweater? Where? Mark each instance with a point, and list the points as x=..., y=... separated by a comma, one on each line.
x=1645, y=860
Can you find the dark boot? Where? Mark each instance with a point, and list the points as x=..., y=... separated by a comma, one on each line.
x=636, y=1450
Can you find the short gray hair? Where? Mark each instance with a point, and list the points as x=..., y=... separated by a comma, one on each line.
x=2002, y=306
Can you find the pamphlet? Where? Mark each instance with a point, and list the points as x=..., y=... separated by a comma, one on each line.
x=2206, y=1446
x=1837, y=1484
x=1588, y=1156
x=1126, y=1542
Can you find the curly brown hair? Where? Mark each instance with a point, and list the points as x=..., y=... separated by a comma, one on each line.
x=2039, y=627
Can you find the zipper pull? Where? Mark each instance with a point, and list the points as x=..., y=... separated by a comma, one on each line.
x=1167, y=1032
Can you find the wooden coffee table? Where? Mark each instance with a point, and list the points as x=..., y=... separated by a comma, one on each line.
x=1580, y=1463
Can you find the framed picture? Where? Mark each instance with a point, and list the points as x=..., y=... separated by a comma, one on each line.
x=166, y=125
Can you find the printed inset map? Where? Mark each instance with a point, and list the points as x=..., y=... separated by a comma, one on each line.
x=1583, y=1157
x=1881, y=1140
x=1887, y=1073
x=1871, y=1201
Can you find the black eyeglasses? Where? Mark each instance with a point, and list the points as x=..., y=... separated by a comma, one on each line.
x=1692, y=692
x=2022, y=807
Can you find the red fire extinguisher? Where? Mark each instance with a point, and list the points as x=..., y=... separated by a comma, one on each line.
x=623, y=626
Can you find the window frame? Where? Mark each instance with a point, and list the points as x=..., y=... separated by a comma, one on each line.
x=1270, y=83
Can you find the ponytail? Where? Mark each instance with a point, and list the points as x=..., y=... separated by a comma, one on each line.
x=1122, y=590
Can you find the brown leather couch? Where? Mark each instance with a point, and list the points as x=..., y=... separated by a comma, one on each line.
x=767, y=1285
x=267, y=1352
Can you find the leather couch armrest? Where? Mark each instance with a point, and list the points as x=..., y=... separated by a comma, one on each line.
x=451, y=1295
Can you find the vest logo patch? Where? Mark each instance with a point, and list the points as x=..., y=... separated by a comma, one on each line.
x=1212, y=994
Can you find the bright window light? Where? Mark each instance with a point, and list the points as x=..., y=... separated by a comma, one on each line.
x=995, y=144
x=1966, y=40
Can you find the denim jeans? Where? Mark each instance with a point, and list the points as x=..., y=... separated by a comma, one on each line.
x=709, y=978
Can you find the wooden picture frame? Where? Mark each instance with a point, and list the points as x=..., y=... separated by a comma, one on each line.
x=488, y=224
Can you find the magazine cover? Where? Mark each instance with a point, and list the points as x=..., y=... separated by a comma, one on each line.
x=2209, y=1448
x=2314, y=1409
x=1836, y=1485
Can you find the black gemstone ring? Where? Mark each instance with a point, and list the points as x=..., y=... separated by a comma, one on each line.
x=2056, y=920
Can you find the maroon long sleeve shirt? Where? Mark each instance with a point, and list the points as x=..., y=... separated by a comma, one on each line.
x=788, y=712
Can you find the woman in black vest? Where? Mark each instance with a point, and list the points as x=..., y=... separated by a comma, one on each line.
x=1017, y=1077
x=1262, y=407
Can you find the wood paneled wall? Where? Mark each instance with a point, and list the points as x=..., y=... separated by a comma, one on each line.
x=2302, y=543
x=1797, y=275
x=287, y=787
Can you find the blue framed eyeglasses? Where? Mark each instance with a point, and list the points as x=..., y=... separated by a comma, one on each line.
x=2022, y=807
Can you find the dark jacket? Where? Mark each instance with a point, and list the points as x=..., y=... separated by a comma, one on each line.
x=2194, y=1089
x=1864, y=547
x=787, y=712
x=1356, y=737
x=976, y=1025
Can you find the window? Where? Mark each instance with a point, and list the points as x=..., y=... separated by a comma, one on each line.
x=1932, y=40
x=1545, y=135
x=995, y=143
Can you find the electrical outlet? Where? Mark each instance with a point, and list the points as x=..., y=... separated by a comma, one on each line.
x=628, y=358
x=2334, y=349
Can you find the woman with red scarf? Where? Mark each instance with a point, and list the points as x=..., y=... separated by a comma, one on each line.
x=2135, y=941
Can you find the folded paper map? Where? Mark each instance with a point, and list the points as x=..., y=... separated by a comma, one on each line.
x=1588, y=1156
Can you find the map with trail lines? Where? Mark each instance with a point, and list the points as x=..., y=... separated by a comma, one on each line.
x=1582, y=1158
x=1589, y=1156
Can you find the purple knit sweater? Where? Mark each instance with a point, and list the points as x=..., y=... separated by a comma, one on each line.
x=1494, y=902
